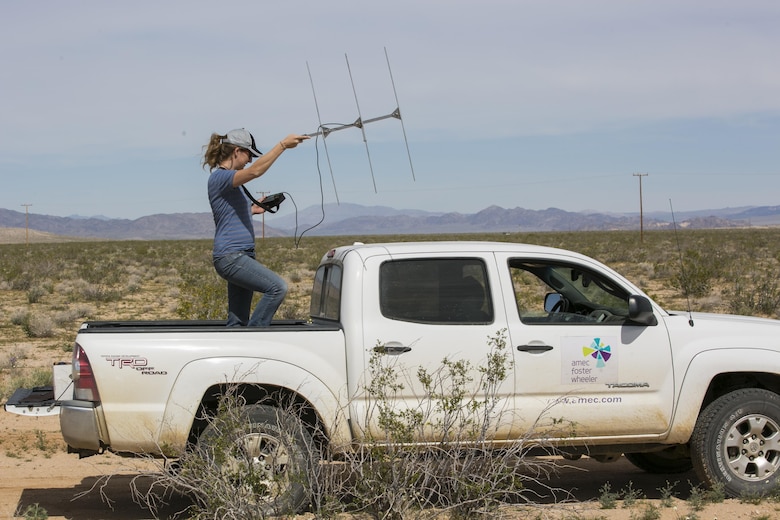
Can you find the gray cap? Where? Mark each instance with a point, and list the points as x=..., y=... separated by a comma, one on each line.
x=242, y=138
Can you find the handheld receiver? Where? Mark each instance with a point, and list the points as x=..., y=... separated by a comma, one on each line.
x=270, y=203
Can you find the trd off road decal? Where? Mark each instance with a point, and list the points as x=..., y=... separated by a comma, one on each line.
x=135, y=362
x=589, y=360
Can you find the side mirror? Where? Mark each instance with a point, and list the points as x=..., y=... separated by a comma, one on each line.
x=554, y=302
x=640, y=310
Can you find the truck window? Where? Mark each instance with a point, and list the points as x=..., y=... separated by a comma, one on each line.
x=326, y=293
x=580, y=296
x=441, y=290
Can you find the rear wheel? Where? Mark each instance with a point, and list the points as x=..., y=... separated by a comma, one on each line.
x=267, y=460
x=736, y=442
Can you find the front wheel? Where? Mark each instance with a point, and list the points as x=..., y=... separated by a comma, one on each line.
x=265, y=461
x=736, y=442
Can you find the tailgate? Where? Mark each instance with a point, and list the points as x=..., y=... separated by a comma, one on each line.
x=33, y=401
x=43, y=400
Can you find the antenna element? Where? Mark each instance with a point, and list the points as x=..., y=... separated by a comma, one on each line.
x=359, y=123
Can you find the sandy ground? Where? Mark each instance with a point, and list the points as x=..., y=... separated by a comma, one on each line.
x=69, y=487
x=36, y=470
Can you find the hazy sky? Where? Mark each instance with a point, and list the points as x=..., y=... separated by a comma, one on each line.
x=105, y=106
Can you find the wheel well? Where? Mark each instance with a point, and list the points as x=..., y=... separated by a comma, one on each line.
x=278, y=397
x=724, y=383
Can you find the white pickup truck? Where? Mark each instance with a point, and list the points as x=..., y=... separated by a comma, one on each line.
x=670, y=390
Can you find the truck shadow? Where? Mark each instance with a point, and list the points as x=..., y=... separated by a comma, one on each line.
x=584, y=480
x=571, y=481
x=97, y=498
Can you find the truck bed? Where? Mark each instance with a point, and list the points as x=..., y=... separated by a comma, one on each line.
x=155, y=326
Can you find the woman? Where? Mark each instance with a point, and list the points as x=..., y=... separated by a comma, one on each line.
x=228, y=158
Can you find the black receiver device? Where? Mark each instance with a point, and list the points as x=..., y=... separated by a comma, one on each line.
x=270, y=203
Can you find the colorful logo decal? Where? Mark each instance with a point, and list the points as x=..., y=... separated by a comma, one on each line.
x=598, y=351
x=588, y=360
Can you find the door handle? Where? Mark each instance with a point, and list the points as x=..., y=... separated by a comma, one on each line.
x=534, y=348
x=392, y=348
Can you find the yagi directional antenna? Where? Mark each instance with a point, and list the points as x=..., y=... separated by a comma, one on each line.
x=359, y=123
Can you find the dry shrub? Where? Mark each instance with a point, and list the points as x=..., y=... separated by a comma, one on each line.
x=39, y=325
x=259, y=458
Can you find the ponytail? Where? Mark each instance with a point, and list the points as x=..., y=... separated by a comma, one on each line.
x=216, y=151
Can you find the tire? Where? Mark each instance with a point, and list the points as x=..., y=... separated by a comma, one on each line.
x=268, y=460
x=736, y=442
x=665, y=462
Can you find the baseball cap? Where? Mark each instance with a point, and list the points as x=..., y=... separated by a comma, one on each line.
x=242, y=138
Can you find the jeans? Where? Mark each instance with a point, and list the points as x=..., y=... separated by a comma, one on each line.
x=245, y=276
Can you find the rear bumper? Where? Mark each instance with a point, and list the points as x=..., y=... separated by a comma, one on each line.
x=80, y=425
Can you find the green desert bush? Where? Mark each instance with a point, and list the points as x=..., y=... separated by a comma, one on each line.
x=21, y=377
x=758, y=293
x=202, y=295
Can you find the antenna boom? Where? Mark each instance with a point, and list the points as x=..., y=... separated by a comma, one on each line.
x=357, y=124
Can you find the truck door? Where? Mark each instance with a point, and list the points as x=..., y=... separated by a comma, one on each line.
x=582, y=368
x=419, y=312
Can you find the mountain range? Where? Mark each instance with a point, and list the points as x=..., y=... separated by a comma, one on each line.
x=355, y=219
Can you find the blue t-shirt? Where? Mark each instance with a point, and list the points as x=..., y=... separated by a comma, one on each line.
x=232, y=214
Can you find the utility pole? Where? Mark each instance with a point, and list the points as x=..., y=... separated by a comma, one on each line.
x=641, y=212
x=27, y=224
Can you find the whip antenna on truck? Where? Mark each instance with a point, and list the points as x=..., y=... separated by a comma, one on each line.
x=360, y=123
x=682, y=267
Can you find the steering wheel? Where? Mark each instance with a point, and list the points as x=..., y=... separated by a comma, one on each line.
x=600, y=315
